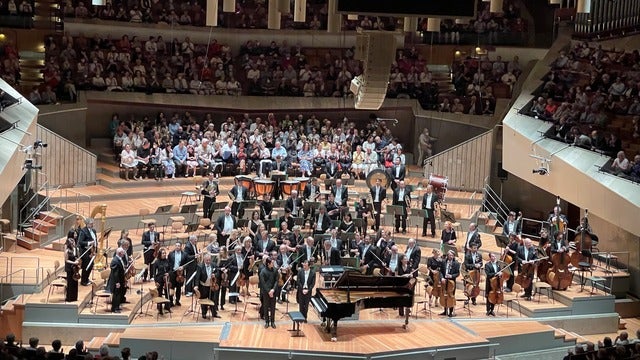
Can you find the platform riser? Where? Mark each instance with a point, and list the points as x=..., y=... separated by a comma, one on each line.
x=602, y=324
x=67, y=334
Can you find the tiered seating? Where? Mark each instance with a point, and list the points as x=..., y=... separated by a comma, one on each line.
x=9, y=63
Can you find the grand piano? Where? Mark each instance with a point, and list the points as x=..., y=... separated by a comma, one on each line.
x=354, y=291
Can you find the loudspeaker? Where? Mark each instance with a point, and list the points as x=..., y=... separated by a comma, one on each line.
x=377, y=51
x=502, y=173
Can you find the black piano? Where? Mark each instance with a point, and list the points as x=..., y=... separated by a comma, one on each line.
x=353, y=290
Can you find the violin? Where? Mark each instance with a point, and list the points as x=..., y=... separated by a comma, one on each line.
x=215, y=285
x=76, y=270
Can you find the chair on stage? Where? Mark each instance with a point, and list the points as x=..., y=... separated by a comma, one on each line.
x=143, y=221
x=101, y=293
x=56, y=284
x=512, y=298
x=156, y=299
x=424, y=300
x=199, y=303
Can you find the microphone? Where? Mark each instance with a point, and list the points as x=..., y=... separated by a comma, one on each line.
x=558, y=200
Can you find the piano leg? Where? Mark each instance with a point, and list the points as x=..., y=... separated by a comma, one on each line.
x=334, y=330
x=407, y=313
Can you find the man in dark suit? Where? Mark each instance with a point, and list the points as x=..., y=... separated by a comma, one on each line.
x=473, y=261
x=335, y=242
x=279, y=164
x=413, y=253
x=429, y=201
x=527, y=254
x=86, y=240
x=399, y=199
x=239, y=194
x=306, y=281
x=149, y=238
x=116, y=280
x=512, y=225
x=224, y=225
x=209, y=191
x=322, y=221
x=558, y=245
x=189, y=253
x=265, y=246
x=398, y=172
x=294, y=204
x=368, y=255
x=330, y=255
x=311, y=193
x=491, y=269
x=378, y=194
x=307, y=252
x=332, y=207
x=237, y=262
x=204, y=275
x=450, y=270
x=268, y=284
x=177, y=260
x=340, y=193
x=287, y=218
x=473, y=238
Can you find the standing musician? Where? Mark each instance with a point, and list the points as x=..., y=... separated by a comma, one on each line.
x=87, y=239
x=557, y=221
x=190, y=251
x=473, y=261
x=238, y=194
x=450, y=270
x=368, y=257
x=162, y=269
x=347, y=225
x=234, y=266
x=364, y=211
x=340, y=194
x=512, y=225
x=558, y=245
x=222, y=261
x=209, y=190
x=413, y=254
x=512, y=250
x=448, y=234
x=116, y=280
x=491, y=270
x=307, y=252
x=335, y=242
x=128, y=262
x=584, y=226
x=268, y=286
x=266, y=207
x=306, y=280
x=311, y=193
x=526, y=254
x=75, y=230
x=398, y=172
x=225, y=224
x=434, y=263
x=149, y=239
x=124, y=238
x=322, y=221
x=286, y=267
x=293, y=204
x=177, y=260
x=392, y=261
x=296, y=238
x=254, y=224
x=206, y=275
x=378, y=194
x=473, y=238
x=400, y=196
x=70, y=266
x=330, y=255
x=284, y=235
x=264, y=246
x=429, y=201
x=405, y=270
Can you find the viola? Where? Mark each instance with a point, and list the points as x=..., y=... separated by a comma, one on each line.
x=76, y=270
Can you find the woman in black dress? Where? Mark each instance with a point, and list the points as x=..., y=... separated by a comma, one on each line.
x=448, y=235
x=161, y=276
x=71, y=258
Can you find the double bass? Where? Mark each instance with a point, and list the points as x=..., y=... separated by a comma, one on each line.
x=559, y=276
x=496, y=296
x=472, y=290
x=527, y=272
x=448, y=298
x=584, y=242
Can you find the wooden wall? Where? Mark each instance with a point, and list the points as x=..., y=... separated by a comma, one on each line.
x=63, y=162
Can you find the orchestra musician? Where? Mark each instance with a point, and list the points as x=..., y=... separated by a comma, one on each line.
x=473, y=261
x=287, y=218
x=284, y=235
x=473, y=238
x=311, y=193
x=71, y=256
x=234, y=266
x=74, y=232
x=265, y=245
x=335, y=242
x=293, y=204
x=306, y=280
x=127, y=261
x=364, y=211
x=286, y=267
x=87, y=239
x=557, y=221
x=177, y=260
x=209, y=190
x=330, y=255
x=296, y=239
x=205, y=275
x=268, y=286
x=222, y=260
x=368, y=257
x=413, y=254
x=190, y=251
x=448, y=234
x=254, y=224
x=491, y=270
x=333, y=210
x=434, y=263
x=162, y=269
x=116, y=280
x=398, y=173
x=391, y=261
x=512, y=250
x=405, y=270
x=400, y=196
x=340, y=194
x=584, y=226
x=224, y=225
x=124, y=237
x=347, y=225
x=238, y=194
x=429, y=201
x=266, y=207
x=558, y=245
x=149, y=239
x=450, y=271
x=544, y=238
x=378, y=194
x=322, y=221
x=307, y=252
x=512, y=225
x=526, y=254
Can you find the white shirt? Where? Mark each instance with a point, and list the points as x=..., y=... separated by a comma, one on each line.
x=306, y=279
x=428, y=204
x=393, y=263
x=448, y=267
x=526, y=253
x=177, y=259
x=408, y=252
x=309, y=252
x=401, y=195
x=334, y=243
x=319, y=225
x=339, y=195
x=228, y=224
x=208, y=281
x=240, y=196
x=397, y=171
x=377, y=192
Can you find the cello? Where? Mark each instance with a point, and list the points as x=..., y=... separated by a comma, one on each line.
x=436, y=290
x=526, y=273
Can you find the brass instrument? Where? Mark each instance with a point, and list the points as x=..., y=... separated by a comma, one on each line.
x=407, y=202
x=99, y=261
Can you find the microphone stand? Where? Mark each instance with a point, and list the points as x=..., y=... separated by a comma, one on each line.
x=141, y=293
x=190, y=310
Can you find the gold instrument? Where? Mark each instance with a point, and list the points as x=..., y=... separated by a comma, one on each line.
x=100, y=261
x=376, y=174
x=407, y=202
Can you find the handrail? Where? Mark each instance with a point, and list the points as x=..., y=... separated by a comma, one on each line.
x=471, y=198
x=5, y=280
x=44, y=129
x=78, y=195
x=426, y=161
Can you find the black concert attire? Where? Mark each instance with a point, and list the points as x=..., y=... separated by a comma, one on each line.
x=306, y=281
x=294, y=206
x=490, y=270
x=368, y=255
x=399, y=196
x=378, y=193
x=470, y=260
x=69, y=268
x=452, y=268
x=189, y=252
x=86, y=240
x=269, y=281
x=402, y=270
x=148, y=239
x=526, y=254
x=332, y=210
x=266, y=208
x=429, y=201
x=204, y=277
x=176, y=260
x=224, y=223
x=473, y=238
x=448, y=235
x=311, y=193
x=415, y=255
x=209, y=191
x=512, y=249
x=116, y=277
x=322, y=223
x=434, y=264
x=240, y=194
x=161, y=273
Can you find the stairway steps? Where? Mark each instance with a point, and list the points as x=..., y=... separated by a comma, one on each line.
x=27, y=243
x=113, y=339
x=35, y=234
x=95, y=343
x=43, y=225
x=50, y=217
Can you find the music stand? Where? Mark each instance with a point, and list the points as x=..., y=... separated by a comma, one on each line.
x=329, y=182
x=352, y=262
x=395, y=210
x=269, y=224
x=298, y=221
x=242, y=223
x=163, y=209
x=447, y=247
x=220, y=205
x=359, y=223
x=248, y=204
x=502, y=241
x=188, y=209
x=335, y=223
x=421, y=213
x=347, y=237
x=191, y=227
x=320, y=238
x=279, y=203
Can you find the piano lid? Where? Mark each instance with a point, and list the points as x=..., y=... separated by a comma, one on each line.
x=353, y=278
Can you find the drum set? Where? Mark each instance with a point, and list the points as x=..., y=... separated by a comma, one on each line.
x=258, y=187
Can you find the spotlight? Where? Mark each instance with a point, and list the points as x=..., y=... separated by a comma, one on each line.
x=541, y=171
x=39, y=143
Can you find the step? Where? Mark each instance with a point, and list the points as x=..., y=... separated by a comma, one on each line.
x=10, y=242
x=491, y=225
x=35, y=234
x=56, y=245
x=42, y=225
x=27, y=243
x=113, y=339
x=95, y=343
x=50, y=217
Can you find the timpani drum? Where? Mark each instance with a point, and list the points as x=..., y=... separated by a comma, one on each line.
x=303, y=183
x=439, y=183
x=245, y=181
x=287, y=186
x=262, y=186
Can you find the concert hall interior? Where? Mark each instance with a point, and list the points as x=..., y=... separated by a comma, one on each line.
x=297, y=179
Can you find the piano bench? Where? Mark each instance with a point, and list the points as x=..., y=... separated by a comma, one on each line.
x=297, y=318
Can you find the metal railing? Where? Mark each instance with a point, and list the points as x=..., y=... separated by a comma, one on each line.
x=73, y=198
x=492, y=203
